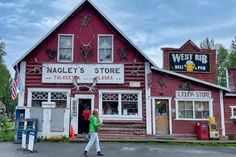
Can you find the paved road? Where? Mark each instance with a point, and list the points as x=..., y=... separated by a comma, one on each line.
x=117, y=150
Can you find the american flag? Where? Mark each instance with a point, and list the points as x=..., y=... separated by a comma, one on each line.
x=15, y=84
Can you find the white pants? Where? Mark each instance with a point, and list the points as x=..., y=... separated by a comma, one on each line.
x=93, y=138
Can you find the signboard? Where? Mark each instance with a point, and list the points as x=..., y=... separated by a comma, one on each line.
x=31, y=141
x=189, y=62
x=48, y=104
x=193, y=94
x=64, y=73
x=23, y=144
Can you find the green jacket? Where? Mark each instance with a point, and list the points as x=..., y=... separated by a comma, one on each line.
x=94, y=124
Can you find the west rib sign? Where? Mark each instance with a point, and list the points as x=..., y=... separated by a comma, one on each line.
x=64, y=73
x=189, y=62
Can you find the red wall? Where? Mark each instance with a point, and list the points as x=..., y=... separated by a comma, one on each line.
x=188, y=47
x=230, y=125
x=72, y=26
x=171, y=85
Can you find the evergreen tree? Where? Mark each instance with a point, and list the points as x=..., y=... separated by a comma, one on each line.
x=232, y=55
x=222, y=62
x=5, y=82
x=222, y=59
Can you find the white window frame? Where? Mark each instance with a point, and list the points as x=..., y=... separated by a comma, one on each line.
x=193, y=100
x=232, y=112
x=49, y=90
x=112, y=48
x=58, y=48
x=119, y=116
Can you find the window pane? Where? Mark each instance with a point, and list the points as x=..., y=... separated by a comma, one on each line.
x=38, y=98
x=110, y=107
x=181, y=114
x=65, y=54
x=201, y=110
x=189, y=105
x=60, y=99
x=65, y=41
x=105, y=48
x=181, y=105
x=161, y=107
x=234, y=111
x=105, y=55
x=185, y=109
x=189, y=114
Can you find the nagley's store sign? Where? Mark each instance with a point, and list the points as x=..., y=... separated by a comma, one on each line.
x=189, y=62
x=193, y=94
x=64, y=73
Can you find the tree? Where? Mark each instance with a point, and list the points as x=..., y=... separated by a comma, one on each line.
x=222, y=62
x=208, y=44
x=222, y=59
x=5, y=82
x=2, y=52
x=232, y=55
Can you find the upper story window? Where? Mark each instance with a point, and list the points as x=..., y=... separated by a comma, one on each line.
x=105, y=48
x=65, y=47
x=233, y=112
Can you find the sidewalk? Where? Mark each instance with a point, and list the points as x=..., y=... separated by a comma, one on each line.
x=153, y=138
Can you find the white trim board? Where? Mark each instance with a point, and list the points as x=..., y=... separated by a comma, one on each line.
x=191, y=78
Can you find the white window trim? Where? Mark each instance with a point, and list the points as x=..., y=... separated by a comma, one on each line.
x=58, y=48
x=232, y=112
x=193, y=119
x=112, y=53
x=121, y=117
x=30, y=90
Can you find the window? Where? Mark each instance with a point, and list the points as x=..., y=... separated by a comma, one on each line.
x=105, y=48
x=115, y=104
x=193, y=110
x=36, y=97
x=233, y=112
x=65, y=48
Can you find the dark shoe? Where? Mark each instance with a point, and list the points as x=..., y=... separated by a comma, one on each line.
x=100, y=154
x=85, y=153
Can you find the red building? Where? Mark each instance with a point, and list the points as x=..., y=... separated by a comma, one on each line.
x=230, y=105
x=87, y=62
x=186, y=89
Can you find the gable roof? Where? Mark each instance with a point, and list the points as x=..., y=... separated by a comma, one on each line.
x=191, y=79
x=68, y=15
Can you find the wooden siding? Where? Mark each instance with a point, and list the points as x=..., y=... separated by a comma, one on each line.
x=83, y=34
x=171, y=84
x=230, y=125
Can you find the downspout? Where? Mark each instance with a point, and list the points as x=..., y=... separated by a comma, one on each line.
x=222, y=112
x=148, y=101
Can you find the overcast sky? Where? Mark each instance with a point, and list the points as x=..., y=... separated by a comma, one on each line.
x=150, y=24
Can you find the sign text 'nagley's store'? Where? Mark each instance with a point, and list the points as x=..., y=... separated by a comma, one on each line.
x=64, y=73
x=189, y=62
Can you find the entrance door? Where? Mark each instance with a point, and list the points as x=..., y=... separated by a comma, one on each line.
x=161, y=117
x=84, y=110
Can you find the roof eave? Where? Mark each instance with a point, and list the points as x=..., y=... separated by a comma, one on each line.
x=191, y=78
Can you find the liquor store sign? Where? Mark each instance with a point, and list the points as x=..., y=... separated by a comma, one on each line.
x=193, y=94
x=64, y=73
x=189, y=62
